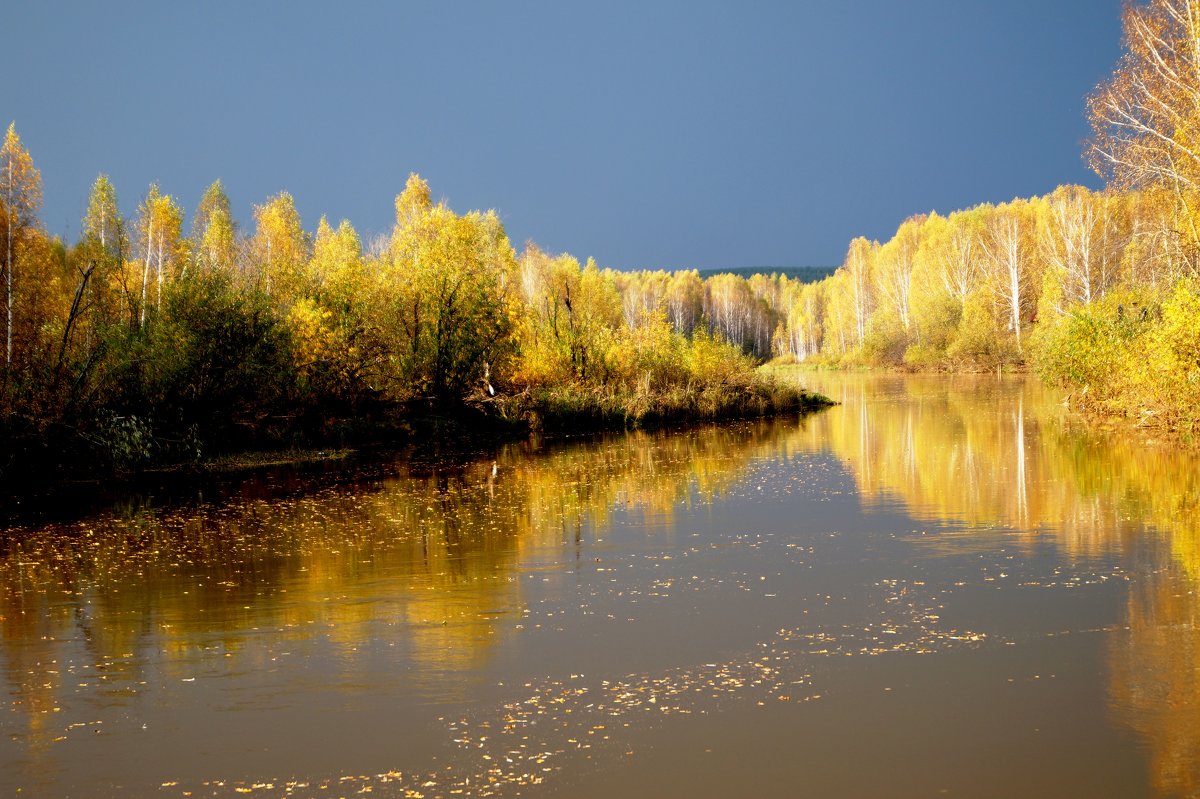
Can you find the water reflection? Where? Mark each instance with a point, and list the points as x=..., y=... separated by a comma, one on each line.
x=981, y=452
x=98, y=613
x=385, y=601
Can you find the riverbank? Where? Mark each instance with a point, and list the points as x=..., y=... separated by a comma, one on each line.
x=559, y=409
x=76, y=470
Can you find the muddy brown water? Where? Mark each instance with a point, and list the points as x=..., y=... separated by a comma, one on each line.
x=943, y=586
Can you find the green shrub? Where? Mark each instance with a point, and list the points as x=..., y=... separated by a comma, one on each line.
x=216, y=361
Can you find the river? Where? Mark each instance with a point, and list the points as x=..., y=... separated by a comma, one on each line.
x=942, y=586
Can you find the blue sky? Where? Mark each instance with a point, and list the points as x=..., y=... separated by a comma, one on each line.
x=645, y=134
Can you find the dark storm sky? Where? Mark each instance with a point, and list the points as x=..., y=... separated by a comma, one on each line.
x=646, y=134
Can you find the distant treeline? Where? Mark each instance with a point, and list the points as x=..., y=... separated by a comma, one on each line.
x=799, y=274
x=995, y=284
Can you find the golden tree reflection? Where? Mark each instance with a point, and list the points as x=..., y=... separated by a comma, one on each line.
x=981, y=452
x=1156, y=680
x=425, y=560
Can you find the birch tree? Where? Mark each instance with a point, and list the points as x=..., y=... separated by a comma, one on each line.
x=1067, y=239
x=280, y=246
x=802, y=333
x=169, y=246
x=729, y=306
x=159, y=228
x=104, y=244
x=1008, y=263
x=894, y=269
x=21, y=194
x=337, y=260
x=445, y=289
x=959, y=255
x=858, y=266
x=214, y=236
x=1146, y=117
x=103, y=223
x=685, y=300
x=146, y=229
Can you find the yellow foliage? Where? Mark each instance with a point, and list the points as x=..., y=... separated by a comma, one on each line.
x=1165, y=372
x=312, y=338
x=279, y=248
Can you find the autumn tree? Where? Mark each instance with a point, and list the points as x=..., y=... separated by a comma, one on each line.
x=214, y=236
x=102, y=250
x=733, y=311
x=936, y=308
x=145, y=225
x=770, y=309
x=415, y=201
x=685, y=300
x=894, y=272
x=643, y=293
x=1070, y=242
x=334, y=341
x=447, y=280
x=1152, y=254
x=570, y=320
x=335, y=268
x=1146, y=117
x=159, y=228
x=840, y=320
x=958, y=253
x=279, y=248
x=1009, y=262
x=858, y=266
x=102, y=223
x=800, y=335
x=21, y=195
x=170, y=248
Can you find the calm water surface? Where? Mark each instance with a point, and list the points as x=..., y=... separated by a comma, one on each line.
x=943, y=586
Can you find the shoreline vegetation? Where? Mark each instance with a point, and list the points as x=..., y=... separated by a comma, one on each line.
x=139, y=347
x=1097, y=292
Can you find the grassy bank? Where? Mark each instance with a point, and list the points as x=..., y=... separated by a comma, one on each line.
x=571, y=409
x=430, y=430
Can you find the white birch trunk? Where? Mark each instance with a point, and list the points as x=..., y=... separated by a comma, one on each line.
x=146, y=268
